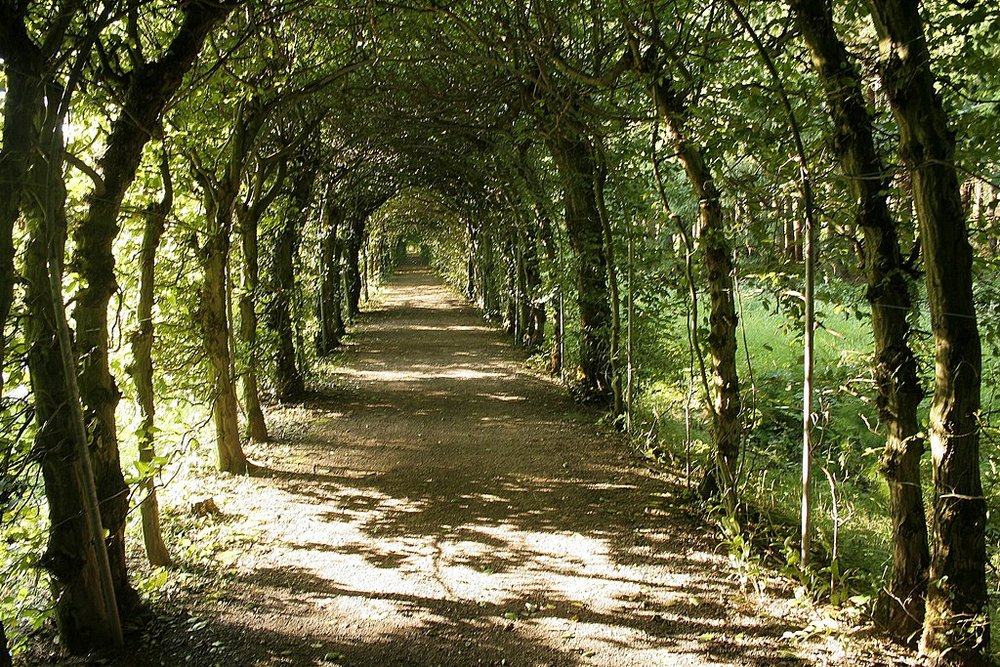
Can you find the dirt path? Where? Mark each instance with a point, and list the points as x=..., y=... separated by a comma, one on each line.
x=441, y=505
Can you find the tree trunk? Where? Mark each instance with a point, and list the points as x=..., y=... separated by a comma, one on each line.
x=149, y=88
x=552, y=258
x=5, y=660
x=20, y=105
x=85, y=609
x=256, y=425
x=600, y=179
x=535, y=308
x=548, y=241
x=249, y=216
x=718, y=259
x=141, y=368
x=901, y=606
x=513, y=285
x=215, y=334
x=352, y=256
x=574, y=158
x=956, y=621
x=220, y=201
x=470, y=261
x=331, y=323
x=288, y=381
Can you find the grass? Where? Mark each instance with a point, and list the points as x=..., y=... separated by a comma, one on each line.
x=848, y=485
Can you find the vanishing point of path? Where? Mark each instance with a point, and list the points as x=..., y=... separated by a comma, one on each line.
x=439, y=504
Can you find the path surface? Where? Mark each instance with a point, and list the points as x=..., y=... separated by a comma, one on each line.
x=441, y=505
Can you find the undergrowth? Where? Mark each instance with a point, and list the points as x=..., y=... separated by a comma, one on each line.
x=852, y=542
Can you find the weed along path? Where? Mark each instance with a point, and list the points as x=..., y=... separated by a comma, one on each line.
x=439, y=504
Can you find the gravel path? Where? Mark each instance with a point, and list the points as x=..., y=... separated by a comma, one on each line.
x=439, y=504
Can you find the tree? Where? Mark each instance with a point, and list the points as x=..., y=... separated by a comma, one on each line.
x=956, y=622
x=899, y=390
x=145, y=89
x=141, y=369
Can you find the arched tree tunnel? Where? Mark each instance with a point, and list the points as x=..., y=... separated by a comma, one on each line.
x=467, y=333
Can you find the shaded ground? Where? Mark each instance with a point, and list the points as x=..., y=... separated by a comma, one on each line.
x=439, y=504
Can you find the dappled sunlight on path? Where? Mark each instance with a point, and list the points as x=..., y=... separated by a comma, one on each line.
x=441, y=505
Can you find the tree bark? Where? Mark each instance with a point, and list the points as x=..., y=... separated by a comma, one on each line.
x=956, y=619
x=148, y=90
x=141, y=368
x=718, y=260
x=574, y=158
x=331, y=323
x=215, y=334
x=249, y=216
x=87, y=617
x=22, y=100
x=901, y=606
x=352, y=269
x=5, y=659
x=600, y=179
x=534, y=312
x=288, y=382
x=331, y=320
x=552, y=259
x=220, y=200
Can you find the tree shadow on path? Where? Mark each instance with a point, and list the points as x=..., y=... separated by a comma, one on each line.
x=438, y=504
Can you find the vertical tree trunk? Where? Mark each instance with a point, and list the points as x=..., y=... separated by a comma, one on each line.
x=547, y=238
x=718, y=260
x=249, y=216
x=20, y=104
x=250, y=292
x=552, y=259
x=512, y=285
x=220, y=201
x=901, y=605
x=471, y=266
x=5, y=659
x=331, y=322
x=141, y=367
x=600, y=179
x=215, y=334
x=289, y=384
x=86, y=612
x=352, y=256
x=956, y=621
x=574, y=158
x=535, y=307
x=368, y=275
x=338, y=284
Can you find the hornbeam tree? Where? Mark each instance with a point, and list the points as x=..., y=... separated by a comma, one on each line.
x=901, y=605
x=956, y=619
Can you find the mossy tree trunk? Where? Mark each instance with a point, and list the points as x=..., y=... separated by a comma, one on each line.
x=85, y=609
x=901, y=605
x=23, y=91
x=288, y=381
x=574, y=158
x=353, y=238
x=330, y=296
x=141, y=367
x=533, y=307
x=5, y=659
x=956, y=618
x=717, y=258
x=249, y=215
x=220, y=199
